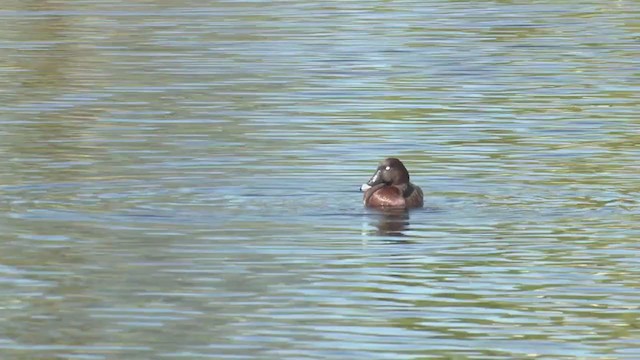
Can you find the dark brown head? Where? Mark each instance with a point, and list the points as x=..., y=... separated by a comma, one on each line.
x=390, y=172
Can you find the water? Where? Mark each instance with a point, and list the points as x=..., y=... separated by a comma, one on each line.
x=180, y=180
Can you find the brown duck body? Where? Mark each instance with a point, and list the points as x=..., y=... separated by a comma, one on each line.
x=389, y=187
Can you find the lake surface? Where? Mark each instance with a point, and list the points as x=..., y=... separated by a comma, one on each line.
x=180, y=179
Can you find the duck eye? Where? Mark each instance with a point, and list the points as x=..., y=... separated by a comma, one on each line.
x=388, y=168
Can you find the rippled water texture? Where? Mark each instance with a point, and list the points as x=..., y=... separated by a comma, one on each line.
x=179, y=179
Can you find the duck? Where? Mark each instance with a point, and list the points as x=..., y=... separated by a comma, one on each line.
x=389, y=187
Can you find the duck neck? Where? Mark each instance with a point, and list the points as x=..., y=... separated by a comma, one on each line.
x=405, y=188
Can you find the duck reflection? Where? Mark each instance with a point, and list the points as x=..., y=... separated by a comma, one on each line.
x=392, y=222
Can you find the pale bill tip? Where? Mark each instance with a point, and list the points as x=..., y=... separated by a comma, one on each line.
x=365, y=187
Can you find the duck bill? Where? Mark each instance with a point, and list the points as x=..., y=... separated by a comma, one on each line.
x=375, y=180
